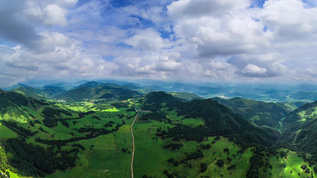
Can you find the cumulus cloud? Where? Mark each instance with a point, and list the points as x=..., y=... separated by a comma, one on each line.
x=185, y=39
x=147, y=39
x=184, y=9
x=217, y=27
x=251, y=69
x=269, y=65
x=289, y=19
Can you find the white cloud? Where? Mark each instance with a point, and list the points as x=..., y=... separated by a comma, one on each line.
x=54, y=15
x=147, y=39
x=195, y=39
x=184, y=9
x=48, y=13
x=218, y=27
x=289, y=19
x=251, y=69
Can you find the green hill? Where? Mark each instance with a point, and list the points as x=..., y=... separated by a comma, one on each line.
x=38, y=138
x=258, y=112
x=301, y=127
x=218, y=119
x=185, y=96
x=176, y=138
x=304, y=113
x=53, y=90
x=93, y=91
x=305, y=95
x=32, y=92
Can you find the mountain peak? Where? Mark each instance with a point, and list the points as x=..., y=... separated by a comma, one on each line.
x=90, y=84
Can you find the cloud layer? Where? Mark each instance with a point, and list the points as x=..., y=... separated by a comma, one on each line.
x=205, y=40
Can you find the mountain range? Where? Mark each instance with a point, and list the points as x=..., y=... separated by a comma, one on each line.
x=86, y=129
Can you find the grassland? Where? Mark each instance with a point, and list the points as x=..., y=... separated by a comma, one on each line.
x=104, y=144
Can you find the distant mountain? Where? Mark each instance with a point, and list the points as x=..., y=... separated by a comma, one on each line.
x=94, y=91
x=258, y=112
x=305, y=95
x=53, y=90
x=31, y=92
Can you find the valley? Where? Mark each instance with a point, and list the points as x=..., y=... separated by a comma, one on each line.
x=108, y=130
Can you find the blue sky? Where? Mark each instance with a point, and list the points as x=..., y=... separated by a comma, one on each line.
x=196, y=40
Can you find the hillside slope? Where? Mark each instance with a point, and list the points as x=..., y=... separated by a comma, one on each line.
x=93, y=91
x=258, y=112
x=301, y=127
x=218, y=119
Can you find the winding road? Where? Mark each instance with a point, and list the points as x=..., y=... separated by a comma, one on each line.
x=3, y=174
x=133, y=145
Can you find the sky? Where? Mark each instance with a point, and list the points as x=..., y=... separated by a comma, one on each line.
x=184, y=40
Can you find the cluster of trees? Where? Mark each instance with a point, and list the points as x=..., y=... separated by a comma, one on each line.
x=259, y=160
x=59, y=143
x=187, y=133
x=203, y=167
x=220, y=163
x=3, y=165
x=101, y=131
x=120, y=105
x=173, y=146
x=83, y=114
x=52, y=116
x=204, y=146
x=79, y=146
x=19, y=130
x=168, y=175
x=194, y=155
x=172, y=161
x=124, y=150
x=51, y=122
x=54, y=113
x=93, y=132
x=154, y=116
x=33, y=160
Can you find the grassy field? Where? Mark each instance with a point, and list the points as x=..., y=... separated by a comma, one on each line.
x=109, y=154
x=6, y=133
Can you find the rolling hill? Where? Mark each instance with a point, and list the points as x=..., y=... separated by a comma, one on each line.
x=177, y=138
x=258, y=112
x=301, y=127
x=93, y=91
x=218, y=119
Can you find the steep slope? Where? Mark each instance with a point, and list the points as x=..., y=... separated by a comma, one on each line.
x=302, y=135
x=93, y=91
x=11, y=106
x=31, y=92
x=258, y=112
x=219, y=120
x=301, y=127
x=1, y=91
x=304, y=113
x=34, y=135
